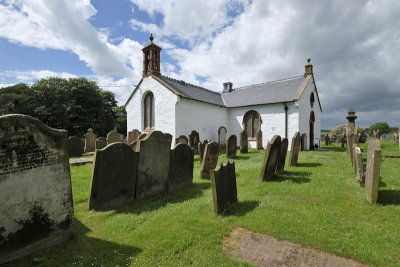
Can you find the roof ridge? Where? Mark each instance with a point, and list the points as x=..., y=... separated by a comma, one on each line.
x=194, y=85
x=257, y=84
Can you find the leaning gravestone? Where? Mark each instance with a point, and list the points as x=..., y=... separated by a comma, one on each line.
x=101, y=143
x=359, y=165
x=113, y=137
x=303, y=142
x=153, y=167
x=114, y=175
x=259, y=139
x=210, y=160
x=181, y=139
x=280, y=165
x=133, y=136
x=222, y=137
x=223, y=183
x=201, y=148
x=270, y=159
x=90, y=141
x=181, y=167
x=36, y=208
x=194, y=139
x=244, y=142
x=231, y=143
x=294, y=149
x=76, y=146
x=373, y=171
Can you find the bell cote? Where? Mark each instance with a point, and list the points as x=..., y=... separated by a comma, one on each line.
x=151, y=59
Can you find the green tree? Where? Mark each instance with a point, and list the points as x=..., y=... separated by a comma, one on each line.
x=121, y=119
x=18, y=98
x=382, y=127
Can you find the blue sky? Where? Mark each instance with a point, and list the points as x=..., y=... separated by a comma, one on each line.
x=353, y=45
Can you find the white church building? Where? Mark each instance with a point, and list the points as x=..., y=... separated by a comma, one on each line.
x=173, y=106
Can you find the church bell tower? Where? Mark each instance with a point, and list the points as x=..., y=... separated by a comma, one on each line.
x=151, y=59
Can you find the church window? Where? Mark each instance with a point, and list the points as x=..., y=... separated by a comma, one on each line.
x=251, y=123
x=148, y=114
x=312, y=100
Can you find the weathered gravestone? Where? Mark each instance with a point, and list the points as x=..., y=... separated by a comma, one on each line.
x=201, y=148
x=134, y=146
x=113, y=137
x=353, y=157
x=194, y=139
x=181, y=167
x=90, y=141
x=133, y=136
x=223, y=183
x=259, y=139
x=231, y=144
x=359, y=165
x=210, y=160
x=121, y=138
x=153, y=169
x=294, y=149
x=114, y=175
x=244, y=142
x=181, y=140
x=373, y=170
x=270, y=159
x=36, y=208
x=349, y=140
x=169, y=137
x=76, y=146
x=303, y=142
x=101, y=142
x=222, y=136
x=280, y=165
x=142, y=136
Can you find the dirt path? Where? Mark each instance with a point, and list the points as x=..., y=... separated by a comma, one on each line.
x=264, y=250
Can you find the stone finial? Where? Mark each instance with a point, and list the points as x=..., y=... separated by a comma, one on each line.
x=308, y=60
x=308, y=68
x=151, y=37
x=351, y=115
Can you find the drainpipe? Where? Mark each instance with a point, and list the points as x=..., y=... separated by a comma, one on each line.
x=286, y=119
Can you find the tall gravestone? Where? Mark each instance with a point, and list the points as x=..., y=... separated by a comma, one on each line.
x=231, y=144
x=114, y=175
x=210, y=160
x=182, y=139
x=373, y=170
x=154, y=160
x=303, y=142
x=294, y=149
x=113, y=137
x=201, y=148
x=223, y=183
x=181, y=167
x=270, y=159
x=133, y=136
x=280, y=166
x=259, y=139
x=90, y=141
x=244, y=142
x=36, y=208
x=351, y=117
x=76, y=146
x=194, y=140
x=359, y=165
x=101, y=142
x=222, y=137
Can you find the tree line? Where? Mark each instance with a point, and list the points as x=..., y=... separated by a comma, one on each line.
x=74, y=104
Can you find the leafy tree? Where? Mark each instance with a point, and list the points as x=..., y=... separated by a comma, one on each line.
x=338, y=134
x=17, y=99
x=121, y=119
x=382, y=127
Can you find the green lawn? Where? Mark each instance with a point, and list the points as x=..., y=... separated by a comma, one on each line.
x=319, y=203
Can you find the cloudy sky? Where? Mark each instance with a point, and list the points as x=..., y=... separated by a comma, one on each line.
x=354, y=46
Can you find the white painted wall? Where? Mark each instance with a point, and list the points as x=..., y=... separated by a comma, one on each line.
x=164, y=101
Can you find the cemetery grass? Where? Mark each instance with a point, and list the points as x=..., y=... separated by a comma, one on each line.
x=318, y=203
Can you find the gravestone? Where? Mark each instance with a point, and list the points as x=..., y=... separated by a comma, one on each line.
x=353, y=157
x=36, y=210
x=101, y=143
x=142, y=136
x=182, y=139
x=114, y=175
x=259, y=139
x=244, y=142
x=210, y=160
x=327, y=140
x=231, y=144
x=280, y=166
x=201, y=148
x=359, y=165
x=90, y=141
x=76, y=146
x=349, y=140
x=303, y=142
x=222, y=137
x=133, y=136
x=223, y=183
x=121, y=138
x=113, y=137
x=373, y=170
x=153, y=167
x=294, y=149
x=169, y=137
x=134, y=146
x=181, y=167
x=270, y=159
x=194, y=140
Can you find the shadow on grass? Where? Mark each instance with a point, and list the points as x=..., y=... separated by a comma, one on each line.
x=389, y=197
x=82, y=250
x=381, y=183
x=335, y=148
x=241, y=208
x=309, y=164
x=296, y=177
x=243, y=157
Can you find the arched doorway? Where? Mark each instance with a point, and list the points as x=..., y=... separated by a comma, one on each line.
x=312, y=120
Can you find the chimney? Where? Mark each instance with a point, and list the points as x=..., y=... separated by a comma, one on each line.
x=227, y=87
x=308, y=68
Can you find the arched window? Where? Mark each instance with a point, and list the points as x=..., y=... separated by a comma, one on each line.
x=148, y=111
x=251, y=123
x=312, y=100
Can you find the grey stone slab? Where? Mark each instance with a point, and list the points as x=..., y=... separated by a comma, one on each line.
x=181, y=167
x=90, y=141
x=280, y=166
x=270, y=159
x=133, y=136
x=101, y=143
x=259, y=140
x=373, y=171
x=244, y=142
x=76, y=146
x=113, y=137
x=294, y=149
x=182, y=139
x=210, y=160
x=222, y=137
x=114, y=176
x=231, y=144
x=303, y=142
x=223, y=183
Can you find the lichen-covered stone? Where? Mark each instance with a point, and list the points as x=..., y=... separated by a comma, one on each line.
x=231, y=144
x=133, y=136
x=280, y=165
x=113, y=137
x=210, y=160
x=223, y=183
x=373, y=171
x=181, y=167
x=244, y=142
x=270, y=159
x=294, y=149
